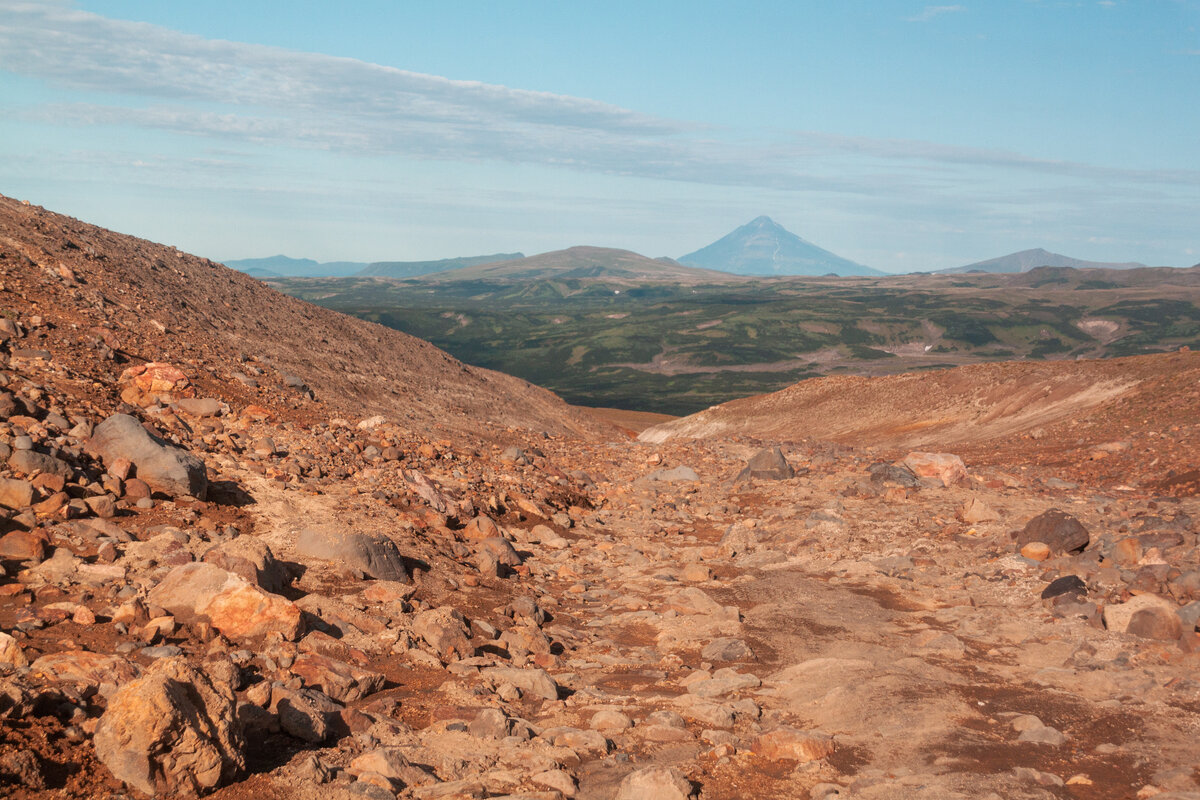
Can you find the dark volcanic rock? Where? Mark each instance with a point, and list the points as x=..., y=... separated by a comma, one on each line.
x=1067, y=584
x=164, y=467
x=1058, y=529
x=893, y=473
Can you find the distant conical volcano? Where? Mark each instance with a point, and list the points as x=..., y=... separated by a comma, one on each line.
x=764, y=247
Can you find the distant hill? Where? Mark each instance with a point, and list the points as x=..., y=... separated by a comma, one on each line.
x=584, y=262
x=411, y=269
x=283, y=266
x=764, y=247
x=1026, y=260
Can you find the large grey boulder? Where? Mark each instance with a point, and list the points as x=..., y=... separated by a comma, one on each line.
x=27, y=462
x=655, y=783
x=164, y=467
x=768, y=464
x=372, y=554
x=680, y=474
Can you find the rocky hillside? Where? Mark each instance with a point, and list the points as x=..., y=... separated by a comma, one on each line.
x=219, y=581
x=109, y=301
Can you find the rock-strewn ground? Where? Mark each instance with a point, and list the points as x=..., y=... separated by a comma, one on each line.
x=380, y=605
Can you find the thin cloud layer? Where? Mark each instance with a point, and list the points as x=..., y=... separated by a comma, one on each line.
x=930, y=12
x=80, y=50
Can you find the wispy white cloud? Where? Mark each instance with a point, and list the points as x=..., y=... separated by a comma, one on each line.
x=937, y=153
x=929, y=12
x=80, y=50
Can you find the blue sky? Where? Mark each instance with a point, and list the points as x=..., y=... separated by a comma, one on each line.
x=902, y=135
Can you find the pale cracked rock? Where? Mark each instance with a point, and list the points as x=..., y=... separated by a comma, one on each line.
x=172, y=732
x=536, y=682
x=341, y=681
x=680, y=474
x=391, y=764
x=727, y=649
x=723, y=681
x=693, y=601
x=556, y=779
x=491, y=723
x=234, y=606
x=15, y=493
x=1043, y=734
x=610, y=721
x=165, y=468
x=1118, y=615
x=498, y=548
x=445, y=630
x=794, y=744
x=946, y=467
x=581, y=741
x=654, y=783
x=525, y=639
x=975, y=510
x=10, y=651
x=86, y=668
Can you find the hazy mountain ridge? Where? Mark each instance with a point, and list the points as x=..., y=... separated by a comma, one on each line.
x=413, y=269
x=764, y=247
x=282, y=266
x=760, y=248
x=1026, y=260
x=584, y=262
x=286, y=266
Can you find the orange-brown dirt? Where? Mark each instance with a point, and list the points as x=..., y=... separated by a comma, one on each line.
x=1054, y=413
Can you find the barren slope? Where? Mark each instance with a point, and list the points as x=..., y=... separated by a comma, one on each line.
x=1012, y=410
x=149, y=301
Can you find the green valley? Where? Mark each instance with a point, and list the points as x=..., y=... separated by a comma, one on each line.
x=686, y=342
